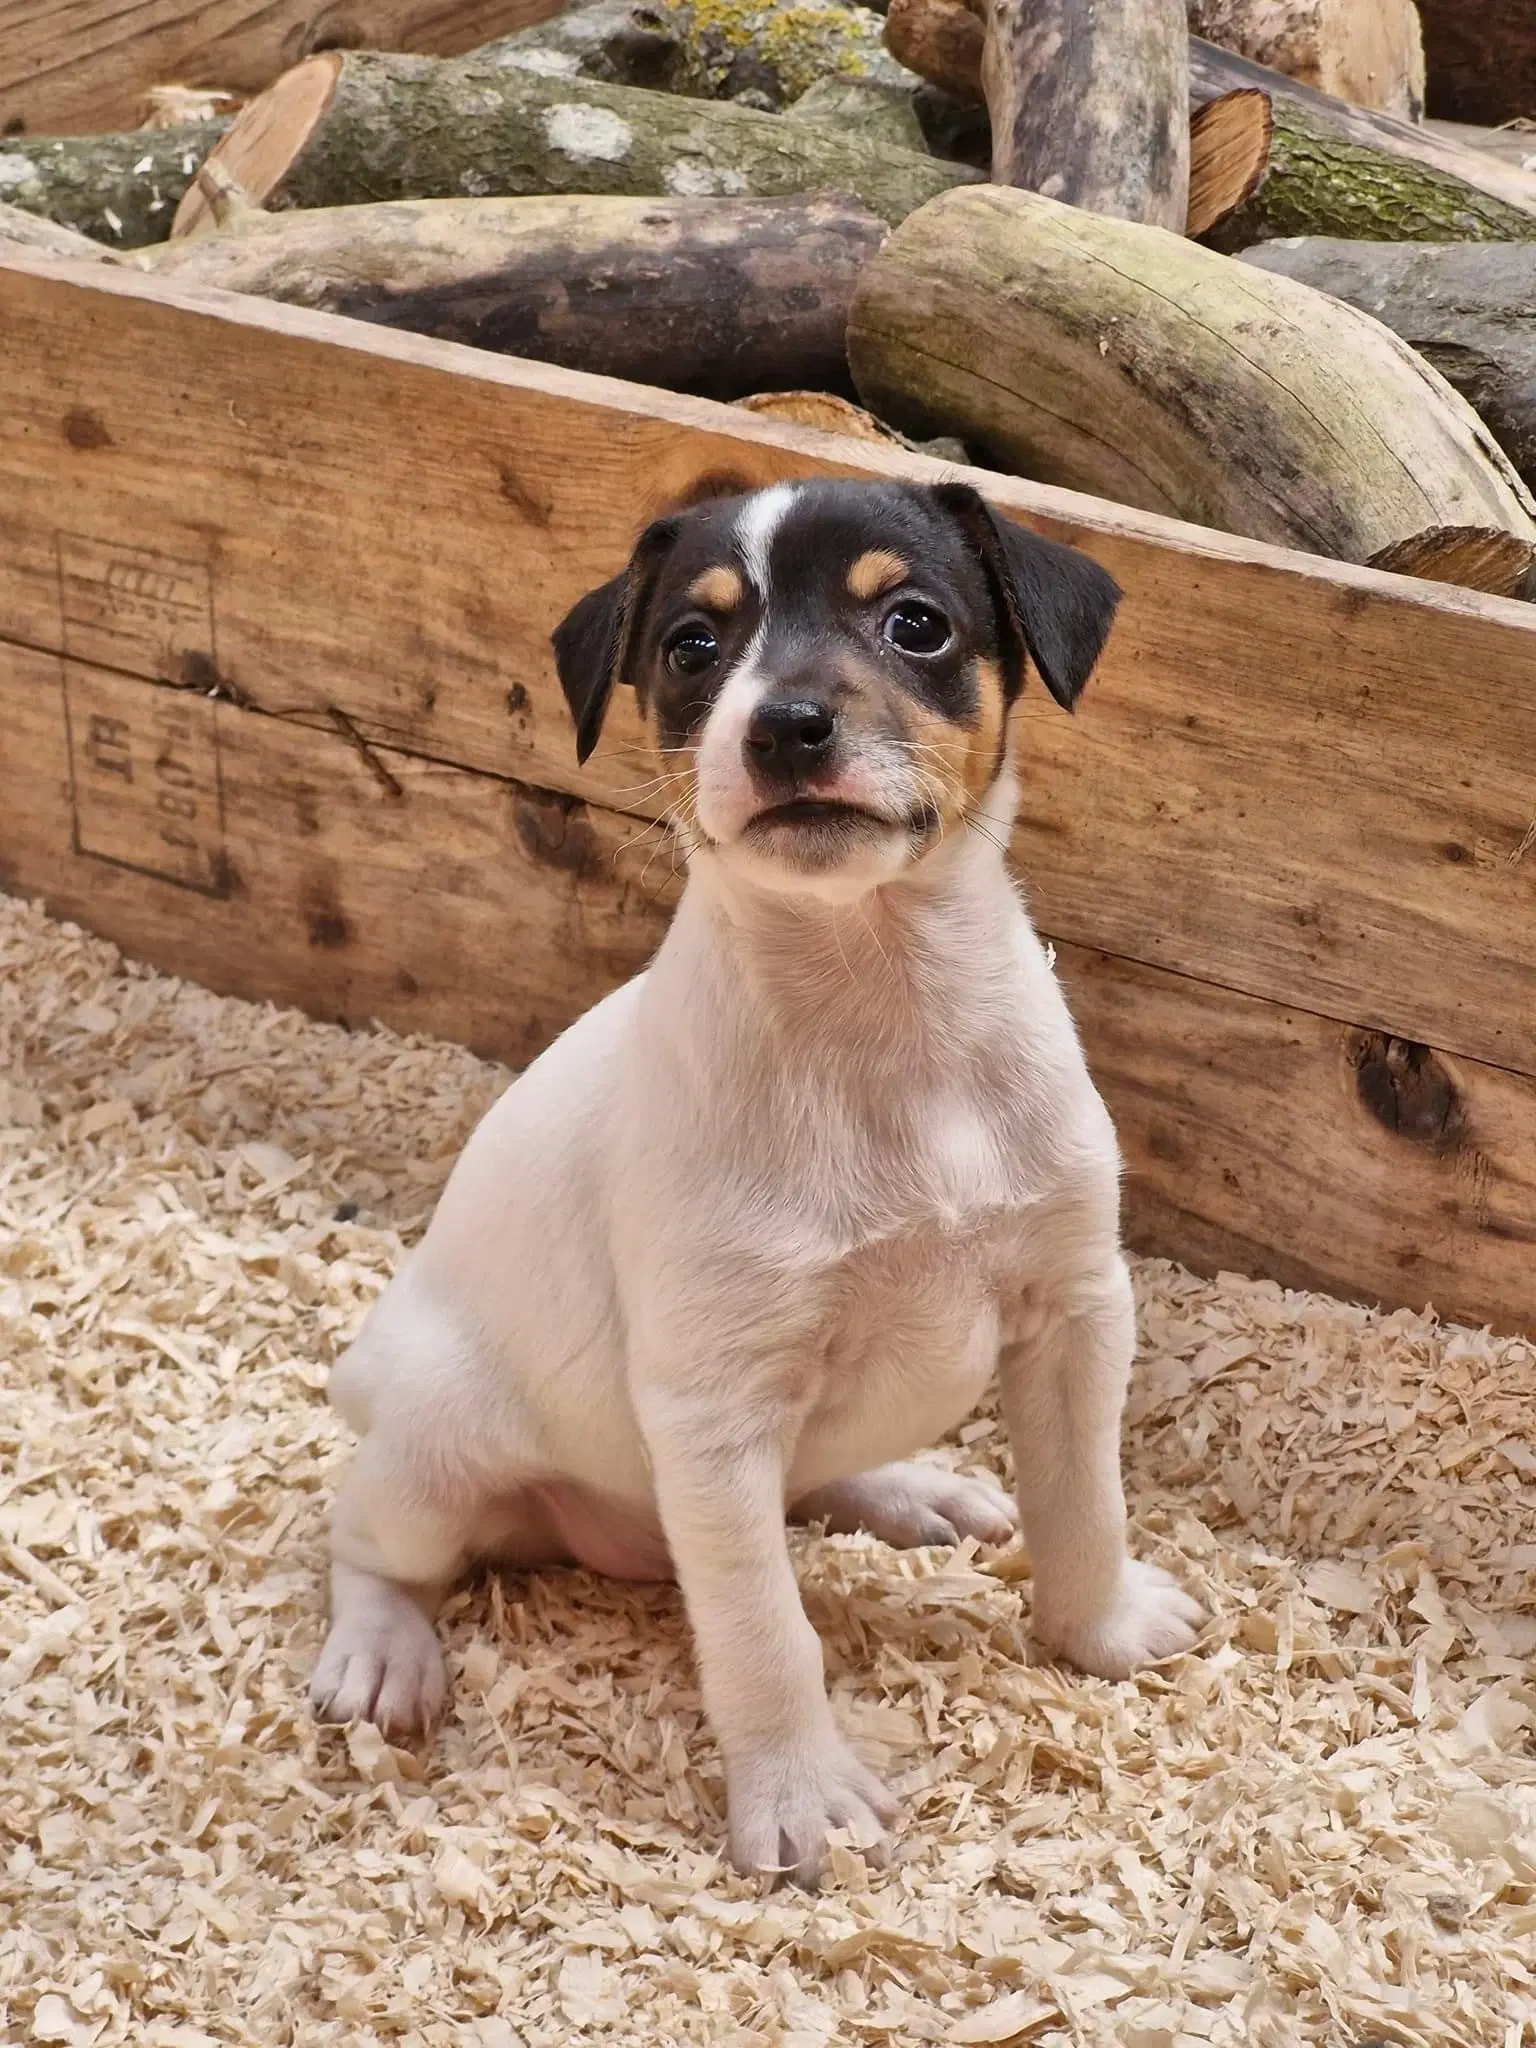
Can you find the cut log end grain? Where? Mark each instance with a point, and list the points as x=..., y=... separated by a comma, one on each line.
x=1135, y=365
x=941, y=40
x=822, y=410
x=1229, y=145
x=266, y=139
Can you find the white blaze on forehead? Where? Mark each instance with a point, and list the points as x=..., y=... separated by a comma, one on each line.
x=759, y=520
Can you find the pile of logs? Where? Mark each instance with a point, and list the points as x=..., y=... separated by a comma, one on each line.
x=1203, y=257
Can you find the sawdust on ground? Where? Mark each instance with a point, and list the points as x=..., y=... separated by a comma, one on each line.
x=1320, y=1829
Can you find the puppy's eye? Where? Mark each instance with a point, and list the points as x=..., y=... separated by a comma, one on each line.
x=692, y=649
x=917, y=628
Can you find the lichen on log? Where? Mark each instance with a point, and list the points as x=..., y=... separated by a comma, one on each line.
x=121, y=190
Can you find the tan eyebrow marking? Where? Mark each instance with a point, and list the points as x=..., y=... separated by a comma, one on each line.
x=877, y=571
x=720, y=588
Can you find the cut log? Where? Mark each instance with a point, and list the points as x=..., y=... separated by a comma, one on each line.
x=819, y=409
x=87, y=66
x=21, y=230
x=1229, y=146
x=1368, y=52
x=1214, y=72
x=1482, y=59
x=1469, y=310
x=941, y=40
x=1311, y=180
x=1090, y=105
x=715, y=296
x=119, y=189
x=337, y=130
x=1127, y=362
x=707, y=49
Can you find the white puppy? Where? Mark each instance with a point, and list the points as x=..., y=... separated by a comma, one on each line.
x=770, y=1217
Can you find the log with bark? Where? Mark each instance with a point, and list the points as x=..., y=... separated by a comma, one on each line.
x=1133, y=364
x=878, y=113
x=22, y=230
x=1304, y=178
x=1467, y=308
x=1353, y=169
x=119, y=189
x=1368, y=52
x=341, y=129
x=714, y=296
x=707, y=49
x=1482, y=59
x=1090, y=105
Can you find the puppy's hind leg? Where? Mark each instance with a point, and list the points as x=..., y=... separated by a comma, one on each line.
x=911, y=1504
x=396, y=1547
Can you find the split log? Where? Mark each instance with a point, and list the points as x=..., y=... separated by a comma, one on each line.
x=1482, y=59
x=1368, y=52
x=337, y=130
x=830, y=415
x=119, y=189
x=87, y=66
x=21, y=230
x=1468, y=309
x=1275, y=167
x=1090, y=105
x=1356, y=137
x=1116, y=359
x=707, y=49
x=712, y=296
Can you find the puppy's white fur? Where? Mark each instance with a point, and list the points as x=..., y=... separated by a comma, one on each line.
x=762, y=1223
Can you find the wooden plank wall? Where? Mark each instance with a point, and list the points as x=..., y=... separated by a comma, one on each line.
x=277, y=711
x=85, y=65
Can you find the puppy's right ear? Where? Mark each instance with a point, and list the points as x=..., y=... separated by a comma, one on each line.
x=594, y=641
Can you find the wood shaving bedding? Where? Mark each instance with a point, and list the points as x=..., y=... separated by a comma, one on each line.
x=1320, y=1829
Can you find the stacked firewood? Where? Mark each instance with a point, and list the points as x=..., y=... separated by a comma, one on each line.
x=1203, y=257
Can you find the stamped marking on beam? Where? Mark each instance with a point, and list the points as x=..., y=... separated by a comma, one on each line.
x=136, y=608
x=145, y=786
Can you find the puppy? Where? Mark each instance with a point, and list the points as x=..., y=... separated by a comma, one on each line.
x=770, y=1217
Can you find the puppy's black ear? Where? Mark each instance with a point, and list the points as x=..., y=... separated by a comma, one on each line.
x=1054, y=604
x=594, y=640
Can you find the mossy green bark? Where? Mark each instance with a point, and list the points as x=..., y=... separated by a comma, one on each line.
x=412, y=128
x=1322, y=182
x=118, y=189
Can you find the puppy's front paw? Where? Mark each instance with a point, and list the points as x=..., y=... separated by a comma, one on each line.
x=785, y=1801
x=1152, y=1618
x=381, y=1664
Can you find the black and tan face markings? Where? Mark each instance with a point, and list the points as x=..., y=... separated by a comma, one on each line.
x=839, y=564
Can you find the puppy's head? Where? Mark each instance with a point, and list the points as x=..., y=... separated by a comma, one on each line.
x=826, y=669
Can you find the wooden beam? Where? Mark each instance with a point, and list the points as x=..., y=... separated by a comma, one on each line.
x=68, y=70
x=272, y=860
x=1294, y=779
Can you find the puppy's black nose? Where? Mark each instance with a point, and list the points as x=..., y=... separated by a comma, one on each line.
x=790, y=736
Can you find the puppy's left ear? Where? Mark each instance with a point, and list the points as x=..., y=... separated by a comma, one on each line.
x=1054, y=604
x=594, y=641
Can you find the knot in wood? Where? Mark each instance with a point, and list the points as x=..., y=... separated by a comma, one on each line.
x=1407, y=1088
